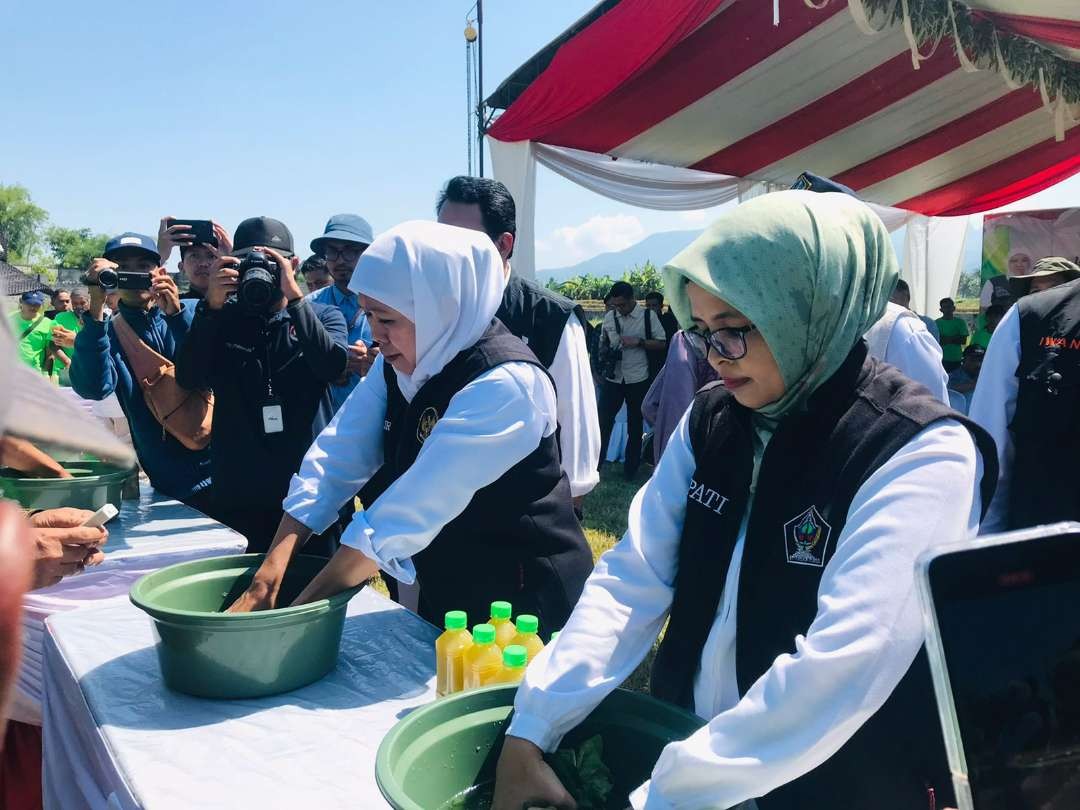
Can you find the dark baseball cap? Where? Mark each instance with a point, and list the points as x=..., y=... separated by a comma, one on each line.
x=974, y=350
x=131, y=241
x=34, y=298
x=262, y=232
x=345, y=228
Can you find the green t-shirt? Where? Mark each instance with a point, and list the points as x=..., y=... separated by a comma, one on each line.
x=68, y=320
x=953, y=327
x=981, y=338
x=32, y=347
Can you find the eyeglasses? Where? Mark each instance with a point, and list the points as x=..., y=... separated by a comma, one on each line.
x=349, y=254
x=729, y=343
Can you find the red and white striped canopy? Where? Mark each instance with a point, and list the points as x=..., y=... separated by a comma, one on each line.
x=714, y=85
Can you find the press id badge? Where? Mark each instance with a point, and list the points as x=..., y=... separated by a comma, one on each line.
x=273, y=420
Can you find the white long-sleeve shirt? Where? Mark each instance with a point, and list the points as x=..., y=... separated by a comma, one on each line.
x=916, y=352
x=993, y=407
x=808, y=704
x=489, y=426
x=579, y=438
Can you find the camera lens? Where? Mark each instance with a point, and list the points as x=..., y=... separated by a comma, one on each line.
x=256, y=288
x=108, y=279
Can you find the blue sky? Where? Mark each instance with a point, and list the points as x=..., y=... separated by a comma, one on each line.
x=119, y=113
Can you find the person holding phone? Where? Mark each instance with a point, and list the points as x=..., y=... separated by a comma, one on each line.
x=149, y=302
x=200, y=243
x=270, y=361
x=777, y=538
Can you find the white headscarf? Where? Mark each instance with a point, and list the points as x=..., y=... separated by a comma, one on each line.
x=448, y=281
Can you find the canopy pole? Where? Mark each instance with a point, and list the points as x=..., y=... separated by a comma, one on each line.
x=480, y=83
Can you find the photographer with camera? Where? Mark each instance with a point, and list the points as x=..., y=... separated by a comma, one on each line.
x=270, y=356
x=629, y=332
x=149, y=307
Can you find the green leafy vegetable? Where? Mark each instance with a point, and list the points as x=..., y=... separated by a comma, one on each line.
x=584, y=774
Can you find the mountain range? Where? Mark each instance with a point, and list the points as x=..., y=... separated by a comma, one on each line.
x=658, y=248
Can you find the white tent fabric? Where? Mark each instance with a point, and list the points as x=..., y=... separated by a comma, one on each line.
x=934, y=246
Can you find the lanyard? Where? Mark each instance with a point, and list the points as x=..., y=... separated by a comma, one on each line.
x=268, y=369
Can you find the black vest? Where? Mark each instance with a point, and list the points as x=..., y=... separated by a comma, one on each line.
x=537, y=315
x=1045, y=428
x=518, y=538
x=812, y=468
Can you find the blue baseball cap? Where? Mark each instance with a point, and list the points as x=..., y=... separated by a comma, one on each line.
x=346, y=228
x=129, y=240
x=34, y=298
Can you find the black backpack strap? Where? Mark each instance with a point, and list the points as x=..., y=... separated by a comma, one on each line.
x=31, y=327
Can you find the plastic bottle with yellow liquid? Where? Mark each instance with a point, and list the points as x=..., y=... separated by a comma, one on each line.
x=526, y=635
x=515, y=659
x=483, y=659
x=500, y=620
x=449, y=648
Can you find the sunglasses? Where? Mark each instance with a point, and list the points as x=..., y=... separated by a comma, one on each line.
x=348, y=254
x=729, y=343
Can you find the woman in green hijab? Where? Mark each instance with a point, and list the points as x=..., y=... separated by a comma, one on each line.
x=777, y=538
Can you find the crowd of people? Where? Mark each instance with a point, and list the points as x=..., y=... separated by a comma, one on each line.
x=423, y=413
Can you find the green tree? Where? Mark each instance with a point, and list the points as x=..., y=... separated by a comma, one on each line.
x=970, y=285
x=74, y=247
x=644, y=278
x=20, y=222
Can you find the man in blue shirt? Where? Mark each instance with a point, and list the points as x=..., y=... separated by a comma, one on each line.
x=100, y=367
x=345, y=237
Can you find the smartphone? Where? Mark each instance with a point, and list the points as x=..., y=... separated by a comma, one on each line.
x=201, y=229
x=1003, y=635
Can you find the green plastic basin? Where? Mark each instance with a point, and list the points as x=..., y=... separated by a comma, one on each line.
x=451, y=745
x=95, y=484
x=207, y=653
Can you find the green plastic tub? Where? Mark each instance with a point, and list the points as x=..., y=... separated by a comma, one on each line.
x=207, y=653
x=440, y=751
x=95, y=484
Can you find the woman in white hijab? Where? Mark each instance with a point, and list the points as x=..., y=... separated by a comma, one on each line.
x=453, y=438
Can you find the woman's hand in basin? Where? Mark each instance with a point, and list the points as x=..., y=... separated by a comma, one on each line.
x=260, y=595
x=523, y=779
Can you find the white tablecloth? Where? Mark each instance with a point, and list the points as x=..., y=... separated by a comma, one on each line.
x=116, y=737
x=148, y=534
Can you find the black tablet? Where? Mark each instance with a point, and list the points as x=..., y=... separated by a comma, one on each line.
x=1003, y=633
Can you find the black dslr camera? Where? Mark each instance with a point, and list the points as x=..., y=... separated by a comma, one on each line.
x=260, y=281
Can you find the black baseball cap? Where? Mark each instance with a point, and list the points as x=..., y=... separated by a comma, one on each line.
x=262, y=232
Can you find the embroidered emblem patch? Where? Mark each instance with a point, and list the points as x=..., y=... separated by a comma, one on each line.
x=807, y=538
x=428, y=419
